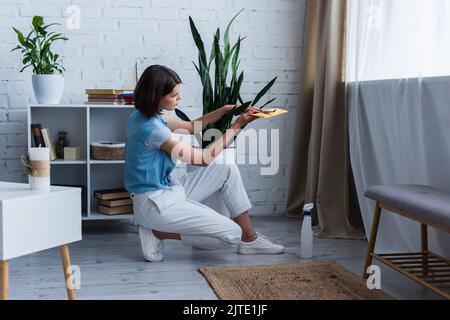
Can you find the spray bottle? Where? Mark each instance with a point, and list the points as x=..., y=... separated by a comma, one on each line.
x=306, y=244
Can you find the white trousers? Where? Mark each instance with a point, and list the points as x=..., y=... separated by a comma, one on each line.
x=178, y=208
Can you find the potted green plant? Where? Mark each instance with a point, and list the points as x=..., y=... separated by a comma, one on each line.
x=48, y=83
x=225, y=90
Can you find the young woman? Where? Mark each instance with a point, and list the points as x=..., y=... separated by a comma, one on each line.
x=167, y=208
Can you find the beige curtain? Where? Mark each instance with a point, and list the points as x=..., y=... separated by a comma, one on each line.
x=320, y=162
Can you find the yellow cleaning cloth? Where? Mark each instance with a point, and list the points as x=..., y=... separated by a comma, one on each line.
x=270, y=113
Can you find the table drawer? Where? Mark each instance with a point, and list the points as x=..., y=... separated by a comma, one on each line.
x=38, y=223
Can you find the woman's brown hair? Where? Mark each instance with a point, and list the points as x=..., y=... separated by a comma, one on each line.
x=155, y=83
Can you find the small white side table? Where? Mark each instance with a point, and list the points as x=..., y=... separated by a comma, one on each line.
x=32, y=221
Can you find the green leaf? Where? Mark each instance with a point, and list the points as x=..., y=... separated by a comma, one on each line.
x=226, y=95
x=207, y=88
x=268, y=102
x=16, y=48
x=25, y=67
x=263, y=91
x=198, y=41
x=20, y=36
x=218, y=93
x=51, y=24
x=226, y=37
x=37, y=21
x=182, y=115
x=237, y=89
x=211, y=57
x=197, y=68
x=36, y=48
x=226, y=63
x=242, y=108
x=234, y=63
x=37, y=24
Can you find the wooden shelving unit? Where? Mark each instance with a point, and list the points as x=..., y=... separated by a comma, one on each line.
x=85, y=123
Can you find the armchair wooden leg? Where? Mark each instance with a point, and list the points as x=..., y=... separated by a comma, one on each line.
x=424, y=236
x=372, y=239
x=4, y=280
x=64, y=250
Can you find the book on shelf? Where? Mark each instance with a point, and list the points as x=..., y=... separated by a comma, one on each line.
x=128, y=97
x=111, y=194
x=103, y=91
x=109, y=96
x=107, y=102
x=36, y=133
x=48, y=142
x=115, y=202
x=115, y=210
x=103, y=96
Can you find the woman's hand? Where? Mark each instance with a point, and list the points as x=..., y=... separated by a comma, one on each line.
x=247, y=117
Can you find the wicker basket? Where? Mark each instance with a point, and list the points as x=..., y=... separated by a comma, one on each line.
x=106, y=150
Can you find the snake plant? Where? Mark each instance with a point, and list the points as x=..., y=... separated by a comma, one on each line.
x=223, y=90
x=36, y=48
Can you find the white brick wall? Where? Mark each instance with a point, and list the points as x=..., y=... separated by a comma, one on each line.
x=114, y=34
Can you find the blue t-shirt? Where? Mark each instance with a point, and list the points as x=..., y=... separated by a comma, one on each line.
x=147, y=167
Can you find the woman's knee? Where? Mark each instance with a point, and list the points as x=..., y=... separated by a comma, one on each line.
x=229, y=170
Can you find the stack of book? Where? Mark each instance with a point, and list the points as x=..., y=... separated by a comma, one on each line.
x=108, y=96
x=113, y=201
x=42, y=139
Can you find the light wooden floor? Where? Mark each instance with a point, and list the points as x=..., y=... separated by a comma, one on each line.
x=112, y=266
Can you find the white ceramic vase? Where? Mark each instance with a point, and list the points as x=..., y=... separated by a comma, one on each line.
x=48, y=88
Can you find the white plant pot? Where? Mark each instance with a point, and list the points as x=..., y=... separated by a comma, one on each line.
x=227, y=156
x=48, y=89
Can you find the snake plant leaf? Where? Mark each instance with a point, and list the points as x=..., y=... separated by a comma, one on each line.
x=242, y=108
x=236, y=89
x=207, y=87
x=226, y=64
x=217, y=90
x=211, y=57
x=197, y=68
x=267, y=103
x=227, y=94
x=198, y=41
x=218, y=96
x=181, y=115
x=226, y=37
x=264, y=91
x=234, y=63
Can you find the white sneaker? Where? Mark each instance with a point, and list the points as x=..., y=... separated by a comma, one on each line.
x=151, y=246
x=261, y=245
